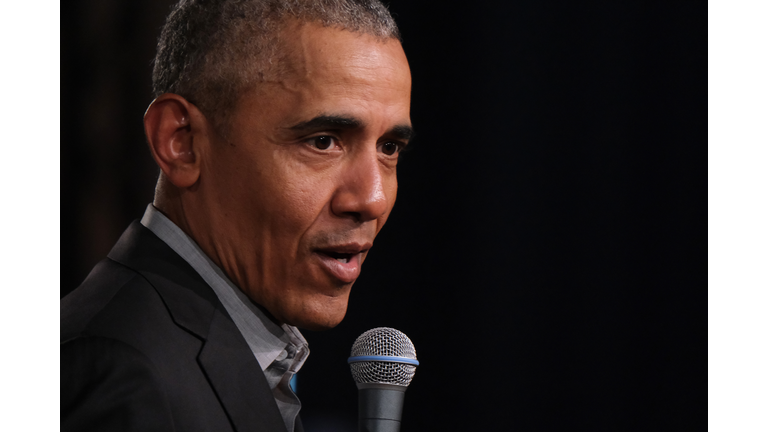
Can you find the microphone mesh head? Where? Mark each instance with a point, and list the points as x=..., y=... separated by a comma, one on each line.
x=383, y=341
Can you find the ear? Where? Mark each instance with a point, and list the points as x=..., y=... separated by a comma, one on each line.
x=176, y=133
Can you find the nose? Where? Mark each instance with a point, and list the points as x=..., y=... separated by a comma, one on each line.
x=363, y=189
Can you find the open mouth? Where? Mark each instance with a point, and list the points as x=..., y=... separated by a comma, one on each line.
x=342, y=261
x=340, y=257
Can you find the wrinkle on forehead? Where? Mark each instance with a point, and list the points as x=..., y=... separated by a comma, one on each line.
x=322, y=70
x=312, y=51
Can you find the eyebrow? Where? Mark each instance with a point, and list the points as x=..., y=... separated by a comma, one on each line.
x=335, y=122
x=327, y=122
x=402, y=132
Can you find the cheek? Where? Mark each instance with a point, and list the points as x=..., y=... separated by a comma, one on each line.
x=390, y=191
x=297, y=196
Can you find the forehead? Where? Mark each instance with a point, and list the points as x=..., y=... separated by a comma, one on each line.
x=313, y=51
x=322, y=70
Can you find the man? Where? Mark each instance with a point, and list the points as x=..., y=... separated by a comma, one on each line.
x=277, y=127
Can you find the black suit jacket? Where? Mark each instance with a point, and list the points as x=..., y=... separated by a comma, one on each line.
x=146, y=345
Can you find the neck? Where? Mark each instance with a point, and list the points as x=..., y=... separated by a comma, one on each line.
x=168, y=199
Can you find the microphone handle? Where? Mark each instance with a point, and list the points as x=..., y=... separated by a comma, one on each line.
x=380, y=408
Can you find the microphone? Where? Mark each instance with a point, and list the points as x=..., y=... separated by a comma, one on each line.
x=383, y=362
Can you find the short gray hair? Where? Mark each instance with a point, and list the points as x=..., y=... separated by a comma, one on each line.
x=210, y=51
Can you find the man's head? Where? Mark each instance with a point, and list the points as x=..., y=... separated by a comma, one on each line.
x=209, y=51
x=289, y=197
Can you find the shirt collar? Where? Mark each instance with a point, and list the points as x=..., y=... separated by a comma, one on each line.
x=267, y=339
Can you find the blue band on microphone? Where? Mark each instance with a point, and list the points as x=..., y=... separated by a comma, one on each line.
x=390, y=359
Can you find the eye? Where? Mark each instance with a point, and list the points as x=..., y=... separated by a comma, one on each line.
x=323, y=142
x=390, y=148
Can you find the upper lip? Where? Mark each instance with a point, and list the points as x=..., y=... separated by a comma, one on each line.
x=345, y=249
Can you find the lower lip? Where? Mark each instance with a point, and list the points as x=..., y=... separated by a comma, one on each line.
x=345, y=272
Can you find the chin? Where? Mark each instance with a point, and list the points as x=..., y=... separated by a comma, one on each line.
x=320, y=315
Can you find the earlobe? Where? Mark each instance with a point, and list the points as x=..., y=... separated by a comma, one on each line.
x=170, y=126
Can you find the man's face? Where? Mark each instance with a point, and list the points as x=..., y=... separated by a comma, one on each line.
x=306, y=176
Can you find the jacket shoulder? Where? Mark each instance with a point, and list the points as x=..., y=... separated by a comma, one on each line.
x=79, y=307
x=118, y=302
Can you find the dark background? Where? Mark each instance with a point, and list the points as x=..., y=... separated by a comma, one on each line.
x=547, y=252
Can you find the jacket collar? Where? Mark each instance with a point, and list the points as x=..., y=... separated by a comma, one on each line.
x=188, y=298
x=228, y=362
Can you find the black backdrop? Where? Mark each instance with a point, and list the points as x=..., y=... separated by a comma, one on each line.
x=547, y=252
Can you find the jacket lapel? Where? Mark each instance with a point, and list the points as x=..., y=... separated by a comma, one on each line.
x=235, y=375
x=232, y=370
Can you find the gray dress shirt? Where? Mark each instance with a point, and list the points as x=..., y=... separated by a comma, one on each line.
x=280, y=349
